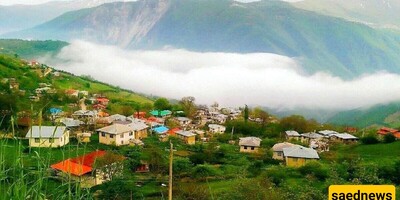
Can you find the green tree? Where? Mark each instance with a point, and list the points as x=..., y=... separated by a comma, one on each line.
x=389, y=138
x=261, y=114
x=188, y=106
x=162, y=104
x=246, y=113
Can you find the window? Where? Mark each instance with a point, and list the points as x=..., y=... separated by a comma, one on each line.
x=103, y=135
x=37, y=140
x=130, y=133
x=279, y=153
x=122, y=135
x=122, y=142
x=252, y=148
x=111, y=136
x=245, y=147
x=51, y=140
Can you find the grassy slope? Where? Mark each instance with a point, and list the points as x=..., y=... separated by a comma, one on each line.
x=30, y=49
x=364, y=117
x=29, y=80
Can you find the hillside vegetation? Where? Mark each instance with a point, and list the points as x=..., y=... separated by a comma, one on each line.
x=30, y=49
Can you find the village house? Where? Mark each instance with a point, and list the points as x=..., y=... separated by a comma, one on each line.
x=162, y=113
x=72, y=93
x=344, y=137
x=87, y=116
x=327, y=133
x=116, y=134
x=297, y=156
x=48, y=136
x=278, y=150
x=385, y=130
x=45, y=90
x=102, y=100
x=172, y=132
x=139, y=127
x=249, y=144
x=308, y=137
x=160, y=130
x=183, y=121
x=139, y=115
x=187, y=136
x=83, y=169
x=292, y=135
x=216, y=128
x=118, y=117
x=14, y=85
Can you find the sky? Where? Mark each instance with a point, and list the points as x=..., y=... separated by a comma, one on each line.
x=230, y=79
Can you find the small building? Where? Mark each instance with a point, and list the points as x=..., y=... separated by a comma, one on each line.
x=249, y=144
x=140, y=128
x=307, y=137
x=84, y=137
x=292, y=135
x=72, y=93
x=160, y=130
x=327, y=133
x=82, y=169
x=183, y=121
x=278, y=150
x=344, y=137
x=139, y=115
x=161, y=113
x=187, y=136
x=216, y=128
x=102, y=100
x=172, y=132
x=118, y=117
x=385, y=130
x=297, y=156
x=116, y=134
x=48, y=136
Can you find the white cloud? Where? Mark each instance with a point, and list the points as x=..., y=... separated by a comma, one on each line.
x=230, y=79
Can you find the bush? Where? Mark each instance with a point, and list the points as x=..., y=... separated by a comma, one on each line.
x=276, y=175
x=204, y=171
x=389, y=138
x=315, y=169
x=370, y=139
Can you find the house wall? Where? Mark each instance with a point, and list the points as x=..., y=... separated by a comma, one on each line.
x=297, y=162
x=190, y=140
x=124, y=138
x=141, y=134
x=106, y=139
x=45, y=142
x=292, y=137
x=248, y=149
x=278, y=155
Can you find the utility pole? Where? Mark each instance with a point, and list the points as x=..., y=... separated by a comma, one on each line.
x=171, y=153
x=233, y=129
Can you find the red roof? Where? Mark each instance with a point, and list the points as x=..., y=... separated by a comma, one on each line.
x=71, y=167
x=386, y=130
x=139, y=115
x=70, y=91
x=89, y=158
x=80, y=165
x=173, y=131
x=102, y=99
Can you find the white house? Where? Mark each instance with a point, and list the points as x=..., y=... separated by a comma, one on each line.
x=116, y=134
x=216, y=128
x=48, y=136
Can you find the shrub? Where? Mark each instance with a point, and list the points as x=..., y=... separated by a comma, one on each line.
x=276, y=175
x=389, y=138
x=315, y=169
x=370, y=139
x=204, y=171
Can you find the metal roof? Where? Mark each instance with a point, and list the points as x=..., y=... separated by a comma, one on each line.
x=300, y=152
x=46, y=132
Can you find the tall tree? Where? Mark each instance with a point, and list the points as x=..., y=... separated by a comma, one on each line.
x=188, y=106
x=162, y=104
x=261, y=114
x=246, y=113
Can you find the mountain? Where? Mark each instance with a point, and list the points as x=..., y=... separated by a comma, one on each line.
x=19, y=17
x=387, y=115
x=375, y=13
x=321, y=43
x=30, y=49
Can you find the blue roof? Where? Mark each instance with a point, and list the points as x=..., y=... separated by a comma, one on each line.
x=160, y=129
x=55, y=110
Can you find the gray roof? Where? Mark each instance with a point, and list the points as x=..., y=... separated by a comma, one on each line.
x=115, y=129
x=185, y=133
x=327, y=132
x=215, y=126
x=182, y=119
x=250, y=141
x=137, y=126
x=69, y=122
x=118, y=117
x=345, y=136
x=292, y=133
x=280, y=146
x=300, y=152
x=46, y=132
x=312, y=135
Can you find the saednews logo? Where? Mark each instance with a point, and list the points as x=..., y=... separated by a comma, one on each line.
x=362, y=192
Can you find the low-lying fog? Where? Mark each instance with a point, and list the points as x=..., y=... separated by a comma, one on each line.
x=230, y=79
